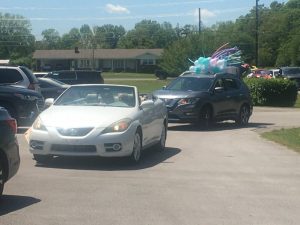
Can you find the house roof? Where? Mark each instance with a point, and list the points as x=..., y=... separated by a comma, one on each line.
x=98, y=53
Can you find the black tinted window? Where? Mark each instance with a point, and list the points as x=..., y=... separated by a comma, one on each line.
x=231, y=84
x=63, y=75
x=287, y=71
x=10, y=76
x=88, y=75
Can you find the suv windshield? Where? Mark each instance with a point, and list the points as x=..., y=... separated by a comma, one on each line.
x=190, y=84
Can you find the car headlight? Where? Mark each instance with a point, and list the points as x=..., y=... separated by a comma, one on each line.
x=38, y=125
x=190, y=101
x=118, y=126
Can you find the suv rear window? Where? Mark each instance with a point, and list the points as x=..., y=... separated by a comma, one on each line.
x=9, y=76
x=291, y=71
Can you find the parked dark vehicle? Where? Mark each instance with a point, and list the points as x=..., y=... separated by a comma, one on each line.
x=204, y=98
x=19, y=76
x=9, y=148
x=162, y=75
x=51, y=88
x=21, y=103
x=291, y=73
x=77, y=76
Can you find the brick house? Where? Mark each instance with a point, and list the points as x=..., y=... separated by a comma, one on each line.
x=128, y=60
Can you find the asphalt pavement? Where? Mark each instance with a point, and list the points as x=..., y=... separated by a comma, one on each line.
x=226, y=175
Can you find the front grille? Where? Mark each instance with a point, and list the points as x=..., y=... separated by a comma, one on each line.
x=74, y=132
x=73, y=148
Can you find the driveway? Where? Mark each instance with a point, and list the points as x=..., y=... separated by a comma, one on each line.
x=226, y=176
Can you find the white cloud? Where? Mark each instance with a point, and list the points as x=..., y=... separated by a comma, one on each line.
x=205, y=14
x=116, y=9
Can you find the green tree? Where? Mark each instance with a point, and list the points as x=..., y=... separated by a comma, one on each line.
x=16, y=40
x=71, y=40
x=148, y=34
x=108, y=36
x=51, y=39
x=176, y=57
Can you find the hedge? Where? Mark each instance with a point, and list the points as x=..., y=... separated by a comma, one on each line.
x=272, y=92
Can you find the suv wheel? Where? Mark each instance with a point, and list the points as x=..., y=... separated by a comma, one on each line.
x=1, y=177
x=244, y=115
x=205, y=117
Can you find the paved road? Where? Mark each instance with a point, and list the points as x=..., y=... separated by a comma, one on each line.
x=222, y=176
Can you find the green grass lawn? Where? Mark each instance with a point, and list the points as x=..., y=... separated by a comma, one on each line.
x=144, y=86
x=287, y=137
x=146, y=83
x=122, y=75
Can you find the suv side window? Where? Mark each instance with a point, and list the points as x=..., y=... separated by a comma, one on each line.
x=10, y=76
x=219, y=83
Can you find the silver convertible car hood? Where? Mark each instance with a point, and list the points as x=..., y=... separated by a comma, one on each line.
x=83, y=116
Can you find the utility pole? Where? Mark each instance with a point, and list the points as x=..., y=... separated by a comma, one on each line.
x=256, y=34
x=199, y=20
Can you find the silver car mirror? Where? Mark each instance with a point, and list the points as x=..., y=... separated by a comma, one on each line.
x=147, y=104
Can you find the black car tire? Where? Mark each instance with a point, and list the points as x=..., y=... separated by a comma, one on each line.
x=205, y=117
x=1, y=178
x=244, y=115
x=160, y=146
x=42, y=158
x=137, y=148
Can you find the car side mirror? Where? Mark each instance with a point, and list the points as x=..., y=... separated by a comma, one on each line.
x=49, y=102
x=147, y=104
x=219, y=89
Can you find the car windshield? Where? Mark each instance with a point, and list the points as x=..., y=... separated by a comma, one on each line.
x=190, y=84
x=115, y=96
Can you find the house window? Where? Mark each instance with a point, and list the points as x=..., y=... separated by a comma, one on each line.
x=147, y=62
x=84, y=63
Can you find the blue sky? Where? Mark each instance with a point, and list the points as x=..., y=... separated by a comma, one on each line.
x=63, y=15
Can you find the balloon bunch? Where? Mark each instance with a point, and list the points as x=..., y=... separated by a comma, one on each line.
x=220, y=60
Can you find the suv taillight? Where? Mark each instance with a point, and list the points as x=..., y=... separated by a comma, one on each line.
x=31, y=87
x=12, y=123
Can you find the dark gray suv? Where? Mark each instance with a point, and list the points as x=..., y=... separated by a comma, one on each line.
x=77, y=76
x=205, y=98
x=9, y=148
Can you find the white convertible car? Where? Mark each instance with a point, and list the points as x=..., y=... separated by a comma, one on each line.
x=98, y=120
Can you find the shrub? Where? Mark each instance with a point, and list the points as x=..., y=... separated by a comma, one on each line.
x=272, y=92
